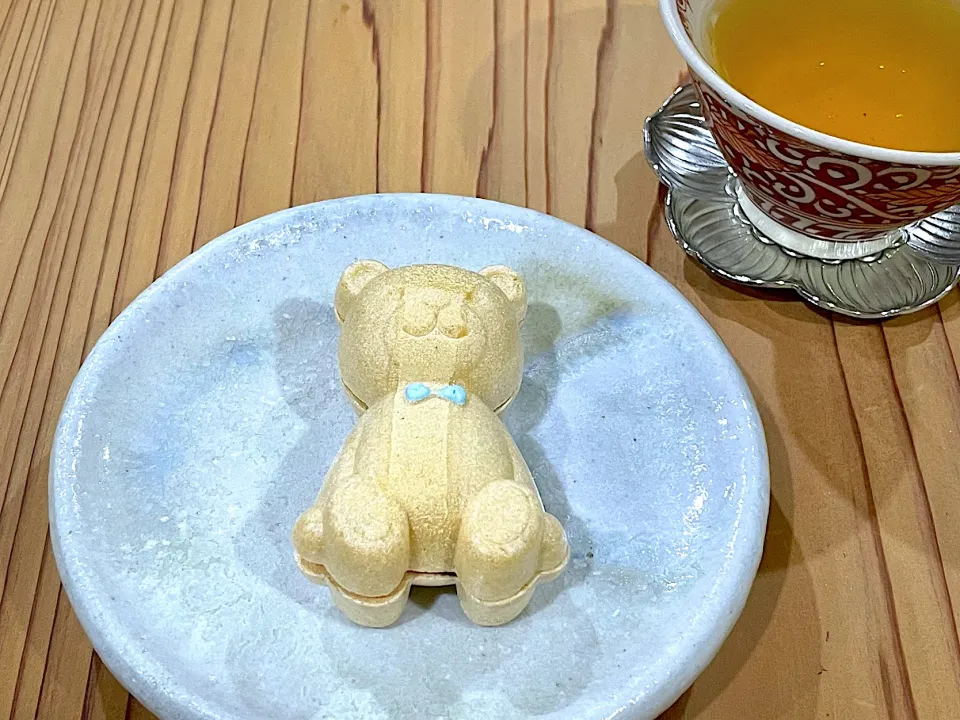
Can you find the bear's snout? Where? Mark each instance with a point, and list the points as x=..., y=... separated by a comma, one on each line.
x=451, y=321
x=423, y=318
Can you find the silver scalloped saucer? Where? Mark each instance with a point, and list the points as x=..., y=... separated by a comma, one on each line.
x=704, y=215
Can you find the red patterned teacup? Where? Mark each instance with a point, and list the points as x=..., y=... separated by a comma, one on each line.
x=807, y=190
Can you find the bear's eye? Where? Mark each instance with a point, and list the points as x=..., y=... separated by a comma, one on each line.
x=469, y=295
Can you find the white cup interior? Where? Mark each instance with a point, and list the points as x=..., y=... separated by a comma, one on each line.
x=700, y=19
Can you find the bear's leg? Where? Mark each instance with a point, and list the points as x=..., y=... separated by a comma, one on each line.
x=361, y=537
x=498, y=552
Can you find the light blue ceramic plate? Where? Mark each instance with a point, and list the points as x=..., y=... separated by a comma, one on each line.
x=206, y=416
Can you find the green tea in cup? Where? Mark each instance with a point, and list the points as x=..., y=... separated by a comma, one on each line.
x=878, y=72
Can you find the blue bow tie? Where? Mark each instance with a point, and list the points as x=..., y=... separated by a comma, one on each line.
x=416, y=392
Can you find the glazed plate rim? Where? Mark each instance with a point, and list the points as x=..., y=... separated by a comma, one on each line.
x=144, y=674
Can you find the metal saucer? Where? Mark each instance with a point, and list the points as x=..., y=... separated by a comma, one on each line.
x=704, y=216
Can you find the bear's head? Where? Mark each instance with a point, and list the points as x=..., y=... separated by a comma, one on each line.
x=430, y=324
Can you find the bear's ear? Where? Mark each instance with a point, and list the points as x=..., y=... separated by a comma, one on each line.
x=512, y=285
x=353, y=280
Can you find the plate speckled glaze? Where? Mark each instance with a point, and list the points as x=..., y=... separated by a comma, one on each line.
x=206, y=416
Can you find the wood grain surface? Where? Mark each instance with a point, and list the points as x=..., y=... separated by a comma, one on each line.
x=135, y=131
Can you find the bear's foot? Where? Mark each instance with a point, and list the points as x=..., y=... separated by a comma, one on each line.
x=507, y=544
x=373, y=612
x=494, y=613
x=359, y=535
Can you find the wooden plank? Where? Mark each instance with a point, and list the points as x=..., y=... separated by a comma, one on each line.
x=337, y=132
x=17, y=86
x=223, y=161
x=929, y=390
x=912, y=589
x=23, y=217
x=400, y=34
x=620, y=194
x=132, y=132
x=502, y=171
x=106, y=699
x=180, y=221
x=538, y=49
x=266, y=172
x=136, y=711
x=24, y=496
x=458, y=127
x=33, y=662
x=576, y=28
x=149, y=202
x=65, y=682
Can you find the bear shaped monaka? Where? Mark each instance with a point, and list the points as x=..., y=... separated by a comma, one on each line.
x=429, y=487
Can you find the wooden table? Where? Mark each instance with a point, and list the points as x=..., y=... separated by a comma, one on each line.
x=134, y=132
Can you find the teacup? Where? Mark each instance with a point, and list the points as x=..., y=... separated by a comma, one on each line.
x=808, y=191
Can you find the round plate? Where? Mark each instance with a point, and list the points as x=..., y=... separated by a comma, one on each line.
x=205, y=418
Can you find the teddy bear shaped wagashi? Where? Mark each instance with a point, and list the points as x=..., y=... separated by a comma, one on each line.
x=429, y=487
